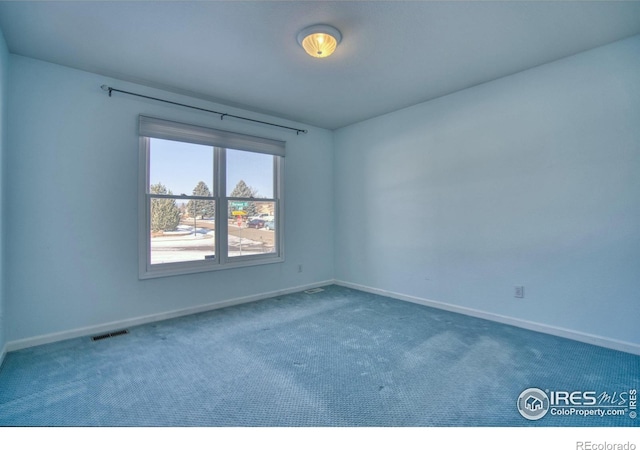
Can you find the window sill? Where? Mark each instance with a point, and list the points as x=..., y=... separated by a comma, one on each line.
x=168, y=270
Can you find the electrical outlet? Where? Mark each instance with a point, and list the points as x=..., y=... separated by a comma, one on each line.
x=519, y=292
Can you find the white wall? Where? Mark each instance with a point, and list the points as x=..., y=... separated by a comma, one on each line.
x=71, y=207
x=4, y=70
x=530, y=180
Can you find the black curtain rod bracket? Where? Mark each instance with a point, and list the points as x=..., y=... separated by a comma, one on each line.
x=110, y=90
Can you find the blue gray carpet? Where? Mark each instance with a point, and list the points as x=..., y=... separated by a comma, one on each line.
x=337, y=358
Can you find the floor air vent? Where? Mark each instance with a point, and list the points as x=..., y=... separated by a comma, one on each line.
x=108, y=335
x=313, y=291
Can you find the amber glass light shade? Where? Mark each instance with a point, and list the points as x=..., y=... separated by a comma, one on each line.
x=319, y=45
x=319, y=41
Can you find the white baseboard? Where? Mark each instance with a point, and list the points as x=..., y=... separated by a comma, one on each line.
x=613, y=344
x=600, y=341
x=117, y=325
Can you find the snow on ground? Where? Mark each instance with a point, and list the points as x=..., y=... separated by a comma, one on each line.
x=184, y=245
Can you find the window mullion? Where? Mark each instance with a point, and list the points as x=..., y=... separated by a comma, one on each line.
x=222, y=221
x=179, y=197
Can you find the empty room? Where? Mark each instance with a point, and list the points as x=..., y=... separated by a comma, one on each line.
x=320, y=214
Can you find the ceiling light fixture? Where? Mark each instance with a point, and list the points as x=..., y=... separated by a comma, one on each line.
x=319, y=41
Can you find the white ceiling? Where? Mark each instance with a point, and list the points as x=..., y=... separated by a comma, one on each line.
x=393, y=53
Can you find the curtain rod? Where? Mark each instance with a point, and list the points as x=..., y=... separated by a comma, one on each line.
x=109, y=89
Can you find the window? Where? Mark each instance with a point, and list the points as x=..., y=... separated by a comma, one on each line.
x=209, y=199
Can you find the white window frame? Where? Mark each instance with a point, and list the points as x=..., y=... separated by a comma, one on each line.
x=150, y=127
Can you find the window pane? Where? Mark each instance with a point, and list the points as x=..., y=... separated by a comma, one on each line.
x=180, y=167
x=251, y=228
x=249, y=174
x=184, y=236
